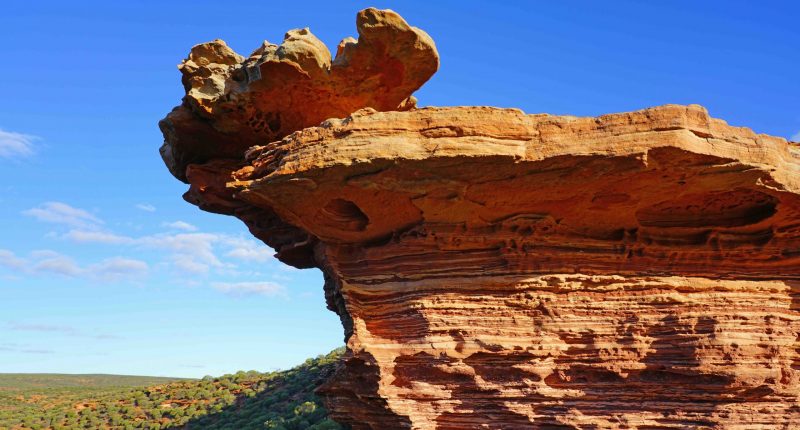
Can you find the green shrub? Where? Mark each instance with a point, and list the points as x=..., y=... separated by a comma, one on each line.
x=242, y=401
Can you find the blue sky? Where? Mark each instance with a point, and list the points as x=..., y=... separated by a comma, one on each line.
x=104, y=269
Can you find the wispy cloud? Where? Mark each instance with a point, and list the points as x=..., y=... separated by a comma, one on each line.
x=54, y=329
x=16, y=145
x=795, y=137
x=182, y=247
x=116, y=268
x=62, y=213
x=249, y=250
x=106, y=336
x=10, y=260
x=83, y=236
x=146, y=207
x=269, y=289
x=47, y=328
x=23, y=349
x=44, y=262
x=47, y=261
x=180, y=225
x=190, y=252
x=37, y=351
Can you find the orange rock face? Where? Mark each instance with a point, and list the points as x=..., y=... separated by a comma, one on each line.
x=499, y=270
x=233, y=103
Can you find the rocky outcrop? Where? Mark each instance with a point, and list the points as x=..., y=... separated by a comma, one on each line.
x=499, y=270
x=233, y=103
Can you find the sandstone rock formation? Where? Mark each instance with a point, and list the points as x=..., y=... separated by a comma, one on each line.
x=233, y=103
x=499, y=270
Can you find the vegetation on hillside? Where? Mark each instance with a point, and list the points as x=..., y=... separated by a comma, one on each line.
x=242, y=401
x=33, y=381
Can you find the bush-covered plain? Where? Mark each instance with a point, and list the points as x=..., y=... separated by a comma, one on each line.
x=252, y=400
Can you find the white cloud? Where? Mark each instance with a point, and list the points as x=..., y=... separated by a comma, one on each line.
x=53, y=262
x=269, y=289
x=191, y=252
x=185, y=263
x=44, y=253
x=62, y=213
x=41, y=328
x=83, y=236
x=48, y=262
x=146, y=207
x=15, y=145
x=23, y=349
x=106, y=336
x=52, y=328
x=180, y=225
x=10, y=260
x=795, y=137
x=248, y=250
x=115, y=268
x=37, y=351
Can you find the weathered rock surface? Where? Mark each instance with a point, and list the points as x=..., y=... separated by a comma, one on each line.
x=499, y=270
x=233, y=103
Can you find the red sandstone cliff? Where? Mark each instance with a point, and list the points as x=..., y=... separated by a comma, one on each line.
x=499, y=270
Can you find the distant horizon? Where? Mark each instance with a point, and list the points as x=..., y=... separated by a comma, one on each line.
x=98, y=374
x=105, y=270
x=156, y=376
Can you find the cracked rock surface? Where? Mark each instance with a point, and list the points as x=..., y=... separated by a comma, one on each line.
x=499, y=270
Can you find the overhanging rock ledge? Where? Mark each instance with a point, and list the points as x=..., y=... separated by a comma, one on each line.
x=499, y=270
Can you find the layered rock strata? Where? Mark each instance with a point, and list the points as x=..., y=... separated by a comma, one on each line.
x=499, y=270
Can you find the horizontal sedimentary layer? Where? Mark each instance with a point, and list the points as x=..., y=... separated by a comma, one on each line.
x=573, y=352
x=500, y=270
x=473, y=131
x=666, y=190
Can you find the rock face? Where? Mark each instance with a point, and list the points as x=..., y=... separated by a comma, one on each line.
x=233, y=103
x=499, y=270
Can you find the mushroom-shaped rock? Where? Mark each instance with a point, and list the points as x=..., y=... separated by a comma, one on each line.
x=233, y=103
x=499, y=270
